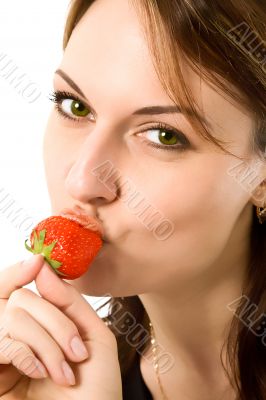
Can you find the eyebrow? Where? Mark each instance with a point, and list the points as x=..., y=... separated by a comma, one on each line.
x=150, y=110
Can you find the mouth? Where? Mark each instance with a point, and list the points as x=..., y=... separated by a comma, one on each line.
x=84, y=219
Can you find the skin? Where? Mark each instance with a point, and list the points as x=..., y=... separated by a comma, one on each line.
x=41, y=328
x=186, y=281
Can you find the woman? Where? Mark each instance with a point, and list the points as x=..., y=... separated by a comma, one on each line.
x=159, y=131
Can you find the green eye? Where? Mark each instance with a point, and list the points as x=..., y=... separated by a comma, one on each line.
x=76, y=108
x=167, y=137
x=161, y=135
x=70, y=106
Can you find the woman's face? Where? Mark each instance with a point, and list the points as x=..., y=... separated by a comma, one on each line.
x=208, y=212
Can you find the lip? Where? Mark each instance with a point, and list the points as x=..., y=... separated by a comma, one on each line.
x=83, y=218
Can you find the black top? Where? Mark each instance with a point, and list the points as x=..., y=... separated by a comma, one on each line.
x=134, y=387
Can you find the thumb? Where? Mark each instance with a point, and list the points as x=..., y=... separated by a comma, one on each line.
x=67, y=298
x=19, y=274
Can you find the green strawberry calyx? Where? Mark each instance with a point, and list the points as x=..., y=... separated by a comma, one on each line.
x=40, y=248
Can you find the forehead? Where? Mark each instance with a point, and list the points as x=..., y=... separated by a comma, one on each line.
x=108, y=57
x=108, y=46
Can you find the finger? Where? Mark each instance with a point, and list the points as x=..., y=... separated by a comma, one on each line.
x=23, y=328
x=58, y=325
x=19, y=274
x=21, y=356
x=64, y=296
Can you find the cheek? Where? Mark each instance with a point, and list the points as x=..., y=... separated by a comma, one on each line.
x=55, y=157
x=199, y=189
x=194, y=189
x=202, y=202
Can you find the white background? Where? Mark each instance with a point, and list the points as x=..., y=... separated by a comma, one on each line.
x=31, y=37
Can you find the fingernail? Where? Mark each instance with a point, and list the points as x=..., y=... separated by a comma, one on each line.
x=68, y=373
x=78, y=347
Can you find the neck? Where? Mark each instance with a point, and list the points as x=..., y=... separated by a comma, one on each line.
x=191, y=321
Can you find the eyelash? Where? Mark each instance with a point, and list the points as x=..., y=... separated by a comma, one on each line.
x=58, y=96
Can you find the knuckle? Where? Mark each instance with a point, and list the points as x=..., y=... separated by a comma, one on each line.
x=52, y=354
x=71, y=292
x=23, y=348
x=70, y=335
x=72, y=328
x=14, y=315
x=18, y=295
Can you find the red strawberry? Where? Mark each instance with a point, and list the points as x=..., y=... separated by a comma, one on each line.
x=66, y=245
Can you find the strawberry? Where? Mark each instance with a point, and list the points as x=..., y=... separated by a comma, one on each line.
x=66, y=245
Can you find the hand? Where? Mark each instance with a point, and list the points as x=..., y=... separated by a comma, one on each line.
x=42, y=327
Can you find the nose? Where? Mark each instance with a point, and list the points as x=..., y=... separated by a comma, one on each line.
x=93, y=176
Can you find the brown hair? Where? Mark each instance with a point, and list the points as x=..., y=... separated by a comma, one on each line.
x=224, y=42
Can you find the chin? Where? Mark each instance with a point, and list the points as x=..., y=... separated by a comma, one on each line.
x=97, y=286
